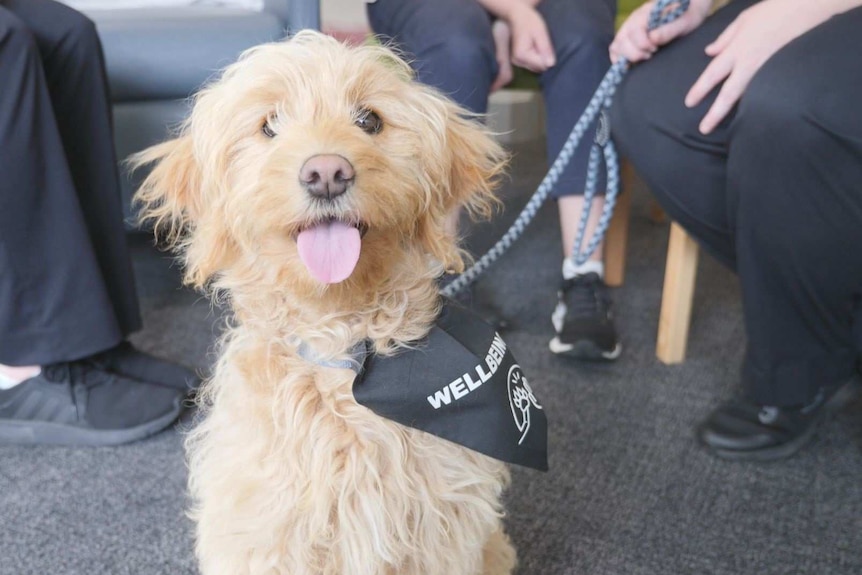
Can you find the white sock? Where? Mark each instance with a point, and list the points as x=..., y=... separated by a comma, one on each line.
x=7, y=382
x=570, y=270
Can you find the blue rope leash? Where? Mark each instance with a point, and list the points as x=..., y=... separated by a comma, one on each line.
x=663, y=12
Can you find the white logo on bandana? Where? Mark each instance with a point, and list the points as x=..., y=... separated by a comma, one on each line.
x=521, y=399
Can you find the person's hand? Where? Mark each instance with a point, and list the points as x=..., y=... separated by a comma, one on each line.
x=531, y=43
x=502, y=40
x=635, y=42
x=739, y=52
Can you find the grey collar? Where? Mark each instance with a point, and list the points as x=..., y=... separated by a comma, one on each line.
x=357, y=354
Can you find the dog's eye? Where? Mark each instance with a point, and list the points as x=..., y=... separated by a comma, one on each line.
x=369, y=122
x=267, y=129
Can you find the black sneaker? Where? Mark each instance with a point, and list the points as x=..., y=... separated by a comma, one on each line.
x=76, y=404
x=127, y=361
x=583, y=320
x=744, y=430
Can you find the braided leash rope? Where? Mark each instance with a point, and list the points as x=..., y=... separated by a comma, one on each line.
x=663, y=12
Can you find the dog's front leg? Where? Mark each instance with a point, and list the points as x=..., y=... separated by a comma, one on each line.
x=244, y=488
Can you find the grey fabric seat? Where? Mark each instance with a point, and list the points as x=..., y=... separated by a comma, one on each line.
x=157, y=57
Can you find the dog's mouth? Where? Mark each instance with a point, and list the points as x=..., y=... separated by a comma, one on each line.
x=329, y=248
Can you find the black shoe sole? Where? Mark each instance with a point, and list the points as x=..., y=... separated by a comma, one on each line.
x=584, y=350
x=28, y=432
x=844, y=396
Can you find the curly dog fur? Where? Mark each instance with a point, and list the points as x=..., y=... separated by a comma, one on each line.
x=288, y=474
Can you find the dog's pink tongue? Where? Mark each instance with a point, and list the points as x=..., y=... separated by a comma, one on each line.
x=329, y=250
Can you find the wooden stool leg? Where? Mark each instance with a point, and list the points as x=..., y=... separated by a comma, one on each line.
x=656, y=213
x=617, y=236
x=676, y=299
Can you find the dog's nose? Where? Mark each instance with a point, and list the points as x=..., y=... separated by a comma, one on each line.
x=326, y=175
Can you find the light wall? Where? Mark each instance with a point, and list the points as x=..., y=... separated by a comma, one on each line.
x=344, y=15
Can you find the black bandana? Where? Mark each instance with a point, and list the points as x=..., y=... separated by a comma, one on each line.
x=461, y=383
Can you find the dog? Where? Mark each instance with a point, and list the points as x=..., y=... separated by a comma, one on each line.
x=312, y=189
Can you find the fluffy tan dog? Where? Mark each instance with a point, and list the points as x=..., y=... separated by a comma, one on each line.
x=311, y=188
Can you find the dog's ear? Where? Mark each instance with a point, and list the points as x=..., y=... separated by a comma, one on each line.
x=474, y=163
x=167, y=197
x=171, y=199
x=477, y=164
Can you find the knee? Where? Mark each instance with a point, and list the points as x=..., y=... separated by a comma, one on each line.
x=580, y=30
x=466, y=49
x=636, y=114
x=15, y=37
x=81, y=36
x=777, y=113
x=777, y=134
x=462, y=64
x=584, y=44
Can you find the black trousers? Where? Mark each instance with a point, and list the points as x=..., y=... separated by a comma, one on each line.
x=66, y=284
x=775, y=192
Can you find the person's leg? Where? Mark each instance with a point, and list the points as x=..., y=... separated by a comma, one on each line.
x=794, y=173
x=794, y=167
x=580, y=33
x=685, y=170
x=451, y=47
x=449, y=43
x=54, y=306
x=74, y=75
x=76, y=80
x=772, y=194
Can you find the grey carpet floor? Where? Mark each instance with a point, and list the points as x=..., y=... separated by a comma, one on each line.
x=629, y=491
